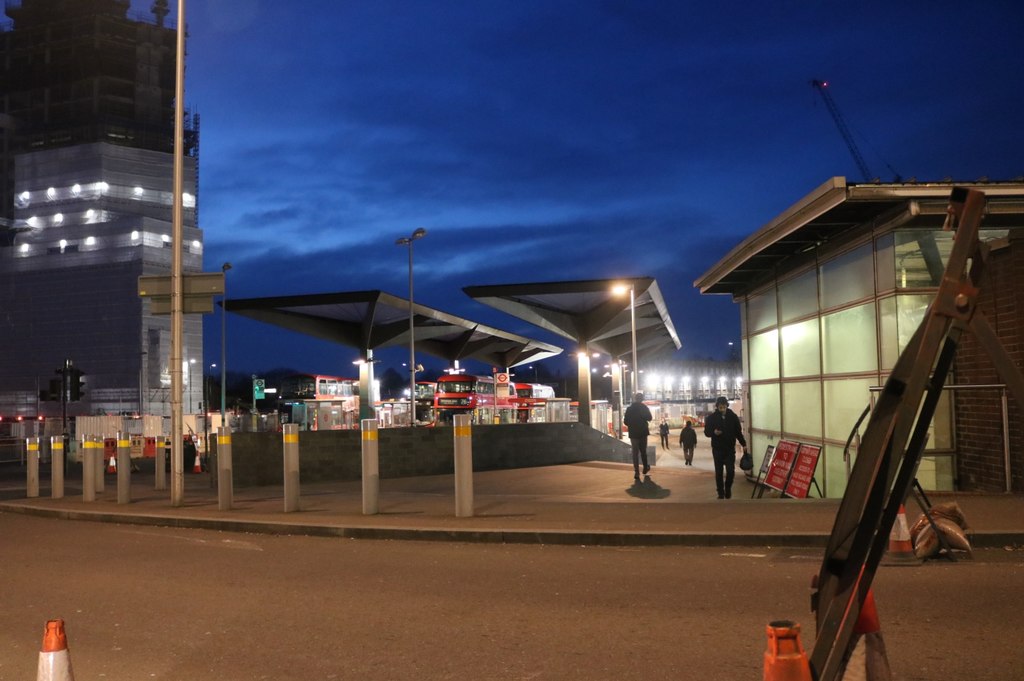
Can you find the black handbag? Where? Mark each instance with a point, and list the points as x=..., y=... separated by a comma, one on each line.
x=747, y=461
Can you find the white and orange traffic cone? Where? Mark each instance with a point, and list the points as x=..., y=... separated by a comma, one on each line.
x=54, y=659
x=868, y=661
x=901, y=549
x=112, y=464
x=198, y=466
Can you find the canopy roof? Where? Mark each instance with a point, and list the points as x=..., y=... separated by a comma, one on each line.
x=835, y=209
x=368, y=320
x=590, y=312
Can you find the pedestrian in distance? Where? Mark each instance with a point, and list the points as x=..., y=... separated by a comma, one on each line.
x=724, y=429
x=637, y=418
x=688, y=441
x=663, y=430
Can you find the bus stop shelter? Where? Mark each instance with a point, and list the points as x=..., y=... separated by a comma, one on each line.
x=596, y=315
x=368, y=320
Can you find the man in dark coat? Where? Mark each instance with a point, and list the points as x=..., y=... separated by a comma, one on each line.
x=636, y=418
x=723, y=427
x=688, y=441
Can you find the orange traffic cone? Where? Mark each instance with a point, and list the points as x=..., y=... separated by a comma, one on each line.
x=868, y=661
x=198, y=467
x=901, y=549
x=785, y=659
x=112, y=464
x=54, y=659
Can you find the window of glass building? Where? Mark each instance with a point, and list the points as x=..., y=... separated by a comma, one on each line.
x=765, y=410
x=798, y=297
x=885, y=264
x=845, y=400
x=848, y=340
x=898, y=319
x=800, y=349
x=921, y=256
x=761, y=312
x=764, y=355
x=801, y=405
x=848, y=277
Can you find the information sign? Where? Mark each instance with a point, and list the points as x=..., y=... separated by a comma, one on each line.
x=802, y=472
x=782, y=462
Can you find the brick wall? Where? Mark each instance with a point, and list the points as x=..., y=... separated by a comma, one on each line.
x=405, y=452
x=979, y=424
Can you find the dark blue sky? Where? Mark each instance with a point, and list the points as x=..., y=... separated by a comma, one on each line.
x=560, y=139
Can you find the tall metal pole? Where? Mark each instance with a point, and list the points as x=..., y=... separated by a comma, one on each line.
x=632, y=329
x=407, y=241
x=224, y=346
x=177, y=280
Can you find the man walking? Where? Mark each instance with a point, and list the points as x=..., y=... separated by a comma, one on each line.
x=723, y=427
x=688, y=441
x=636, y=418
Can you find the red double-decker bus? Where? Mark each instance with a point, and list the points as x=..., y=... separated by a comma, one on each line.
x=464, y=394
x=530, y=400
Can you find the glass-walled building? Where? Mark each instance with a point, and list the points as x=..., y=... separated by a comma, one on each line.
x=841, y=282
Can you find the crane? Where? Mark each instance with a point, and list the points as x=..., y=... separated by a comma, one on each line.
x=822, y=87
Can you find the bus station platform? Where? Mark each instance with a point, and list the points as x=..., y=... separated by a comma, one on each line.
x=590, y=503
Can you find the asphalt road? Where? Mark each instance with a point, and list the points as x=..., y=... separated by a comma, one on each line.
x=176, y=604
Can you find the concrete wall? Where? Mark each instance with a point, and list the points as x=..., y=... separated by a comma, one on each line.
x=408, y=452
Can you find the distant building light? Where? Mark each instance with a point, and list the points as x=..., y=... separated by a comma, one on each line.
x=90, y=214
x=63, y=243
x=103, y=187
x=76, y=189
x=138, y=191
x=25, y=196
x=188, y=200
x=197, y=245
x=135, y=235
x=24, y=248
x=58, y=219
x=90, y=241
x=51, y=193
x=32, y=221
x=166, y=239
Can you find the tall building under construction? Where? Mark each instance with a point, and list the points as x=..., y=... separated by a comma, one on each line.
x=86, y=189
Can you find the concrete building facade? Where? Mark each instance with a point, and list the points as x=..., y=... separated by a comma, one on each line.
x=87, y=125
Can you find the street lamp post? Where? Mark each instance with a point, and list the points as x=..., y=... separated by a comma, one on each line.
x=189, y=366
x=632, y=331
x=224, y=345
x=407, y=241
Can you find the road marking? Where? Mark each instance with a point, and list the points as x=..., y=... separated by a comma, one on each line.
x=746, y=555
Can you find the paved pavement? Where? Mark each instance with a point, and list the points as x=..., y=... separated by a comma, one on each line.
x=585, y=503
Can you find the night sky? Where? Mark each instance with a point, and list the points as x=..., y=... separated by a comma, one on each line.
x=543, y=140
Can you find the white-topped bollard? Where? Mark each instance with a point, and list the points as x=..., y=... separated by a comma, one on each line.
x=371, y=467
x=291, y=467
x=124, y=468
x=160, y=461
x=225, y=484
x=100, y=462
x=463, y=467
x=32, y=467
x=92, y=450
x=57, y=466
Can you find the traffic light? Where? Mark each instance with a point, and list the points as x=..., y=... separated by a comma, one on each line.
x=75, y=385
x=53, y=393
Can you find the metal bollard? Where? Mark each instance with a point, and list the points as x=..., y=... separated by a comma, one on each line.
x=225, y=484
x=124, y=469
x=32, y=481
x=57, y=466
x=463, y=467
x=160, y=479
x=371, y=467
x=291, y=467
x=91, y=450
x=100, y=464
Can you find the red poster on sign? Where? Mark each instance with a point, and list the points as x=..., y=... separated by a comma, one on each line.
x=800, y=477
x=778, y=473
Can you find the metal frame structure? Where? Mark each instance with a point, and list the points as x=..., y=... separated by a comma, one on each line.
x=896, y=435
